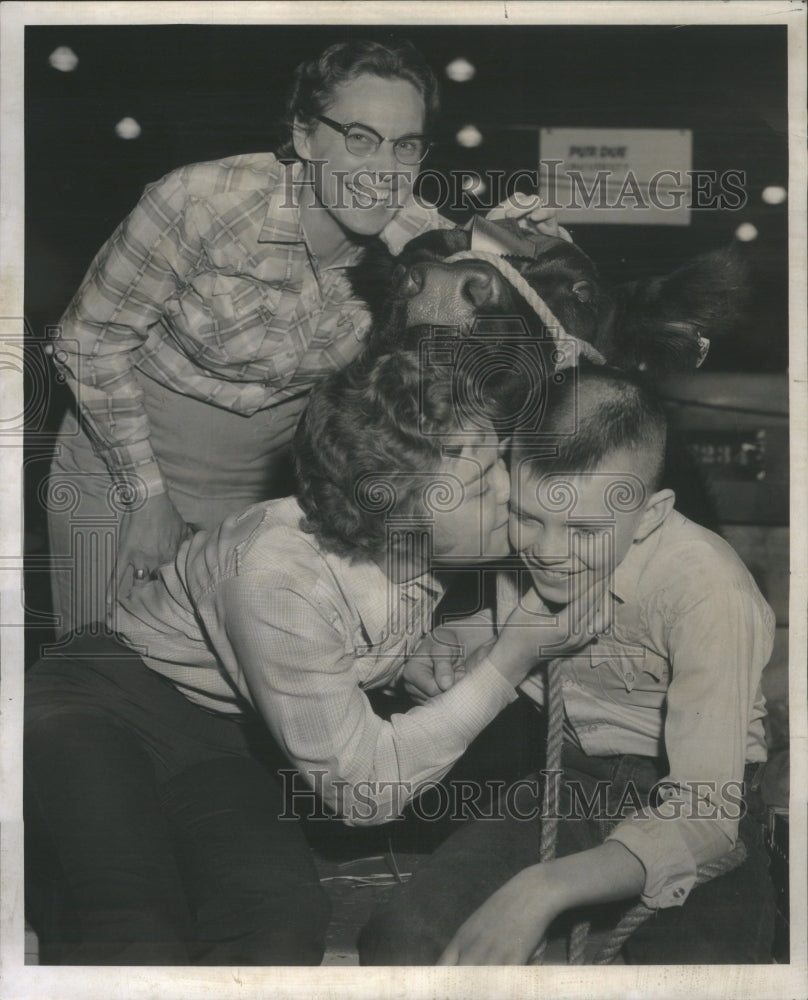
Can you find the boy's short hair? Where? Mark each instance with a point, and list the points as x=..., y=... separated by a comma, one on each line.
x=592, y=413
x=368, y=435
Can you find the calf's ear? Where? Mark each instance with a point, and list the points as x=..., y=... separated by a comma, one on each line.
x=663, y=324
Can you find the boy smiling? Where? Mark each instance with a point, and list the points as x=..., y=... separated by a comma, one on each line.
x=663, y=713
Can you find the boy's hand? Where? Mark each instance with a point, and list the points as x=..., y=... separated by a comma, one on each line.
x=434, y=665
x=532, y=634
x=507, y=928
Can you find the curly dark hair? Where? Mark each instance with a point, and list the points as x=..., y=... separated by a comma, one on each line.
x=315, y=81
x=368, y=436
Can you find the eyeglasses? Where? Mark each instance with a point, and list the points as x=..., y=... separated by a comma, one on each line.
x=361, y=140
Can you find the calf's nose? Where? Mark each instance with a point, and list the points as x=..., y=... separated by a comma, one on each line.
x=458, y=287
x=478, y=287
x=409, y=281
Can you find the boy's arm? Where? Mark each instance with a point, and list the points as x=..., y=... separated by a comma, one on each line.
x=718, y=646
x=509, y=926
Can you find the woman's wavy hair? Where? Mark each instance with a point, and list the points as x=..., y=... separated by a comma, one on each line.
x=315, y=81
x=368, y=436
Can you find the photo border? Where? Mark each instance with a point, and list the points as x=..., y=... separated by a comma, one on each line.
x=18, y=981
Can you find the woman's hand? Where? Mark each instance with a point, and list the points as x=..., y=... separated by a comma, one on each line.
x=532, y=634
x=148, y=537
x=434, y=665
x=531, y=214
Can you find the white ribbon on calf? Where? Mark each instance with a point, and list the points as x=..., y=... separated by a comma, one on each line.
x=536, y=303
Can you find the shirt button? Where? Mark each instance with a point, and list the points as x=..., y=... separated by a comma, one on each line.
x=678, y=893
x=629, y=676
x=592, y=729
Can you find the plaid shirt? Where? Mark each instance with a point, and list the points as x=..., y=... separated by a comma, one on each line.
x=210, y=288
x=255, y=615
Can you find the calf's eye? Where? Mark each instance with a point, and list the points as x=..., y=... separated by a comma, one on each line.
x=583, y=291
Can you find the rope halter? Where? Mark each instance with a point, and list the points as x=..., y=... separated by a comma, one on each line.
x=537, y=304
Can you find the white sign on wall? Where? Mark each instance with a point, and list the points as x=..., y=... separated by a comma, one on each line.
x=625, y=176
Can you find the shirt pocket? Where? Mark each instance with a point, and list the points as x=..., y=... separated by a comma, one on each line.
x=622, y=667
x=224, y=324
x=342, y=318
x=380, y=665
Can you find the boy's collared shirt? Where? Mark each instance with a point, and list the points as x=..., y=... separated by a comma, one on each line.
x=254, y=615
x=678, y=678
x=210, y=288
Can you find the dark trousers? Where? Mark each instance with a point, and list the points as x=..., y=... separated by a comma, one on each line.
x=152, y=826
x=727, y=920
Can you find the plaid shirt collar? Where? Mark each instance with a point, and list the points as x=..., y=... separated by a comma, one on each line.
x=283, y=223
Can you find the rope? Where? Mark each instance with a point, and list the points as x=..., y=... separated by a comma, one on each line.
x=536, y=303
x=639, y=913
x=555, y=734
x=579, y=935
x=549, y=811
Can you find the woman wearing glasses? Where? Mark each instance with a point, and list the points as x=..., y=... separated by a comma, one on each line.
x=207, y=317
